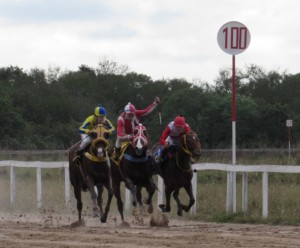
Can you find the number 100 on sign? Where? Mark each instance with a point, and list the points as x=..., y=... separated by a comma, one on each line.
x=233, y=38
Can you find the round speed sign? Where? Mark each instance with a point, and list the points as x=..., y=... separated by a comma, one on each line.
x=233, y=38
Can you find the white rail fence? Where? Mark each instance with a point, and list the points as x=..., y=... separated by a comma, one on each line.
x=231, y=198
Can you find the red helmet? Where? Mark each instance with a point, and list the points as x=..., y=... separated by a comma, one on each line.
x=129, y=109
x=179, y=121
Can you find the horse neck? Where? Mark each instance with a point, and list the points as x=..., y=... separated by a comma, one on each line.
x=183, y=159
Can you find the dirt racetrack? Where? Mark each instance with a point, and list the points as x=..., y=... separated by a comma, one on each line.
x=56, y=231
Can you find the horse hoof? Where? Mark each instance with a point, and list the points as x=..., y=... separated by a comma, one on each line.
x=179, y=212
x=103, y=218
x=162, y=206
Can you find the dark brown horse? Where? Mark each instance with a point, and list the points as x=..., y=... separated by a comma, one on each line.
x=93, y=170
x=135, y=170
x=177, y=171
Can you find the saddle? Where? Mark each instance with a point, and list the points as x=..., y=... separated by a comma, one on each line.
x=123, y=149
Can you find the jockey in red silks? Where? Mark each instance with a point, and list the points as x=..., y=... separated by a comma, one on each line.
x=170, y=136
x=127, y=121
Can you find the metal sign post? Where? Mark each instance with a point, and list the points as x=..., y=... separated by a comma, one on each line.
x=233, y=38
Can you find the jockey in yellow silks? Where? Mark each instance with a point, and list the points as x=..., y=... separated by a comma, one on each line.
x=99, y=117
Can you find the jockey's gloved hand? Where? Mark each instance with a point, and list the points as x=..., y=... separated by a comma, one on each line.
x=156, y=100
x=128, y=136
x=106, y=135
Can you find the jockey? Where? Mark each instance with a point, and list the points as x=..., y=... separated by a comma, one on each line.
x=171, y=135
x=99, y=117
x=127, y=121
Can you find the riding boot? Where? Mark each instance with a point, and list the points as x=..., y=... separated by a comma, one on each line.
x=79, y=154
x=159, y=157
x=117, y=153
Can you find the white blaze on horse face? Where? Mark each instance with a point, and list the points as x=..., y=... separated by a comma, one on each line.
x=100, y=152
x=139, y=144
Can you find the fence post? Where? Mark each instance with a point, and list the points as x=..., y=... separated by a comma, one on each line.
x=160, y=193
x=39, y=186
x=127, y=199
x=245, y=192
x=67, y=187
x=229, y=193
x=265, y=185
x=194, y=185
x=12, y=185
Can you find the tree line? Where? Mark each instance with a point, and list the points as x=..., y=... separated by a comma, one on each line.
x=42, y=109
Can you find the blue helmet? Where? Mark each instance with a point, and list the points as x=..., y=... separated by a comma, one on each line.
x=100, y=111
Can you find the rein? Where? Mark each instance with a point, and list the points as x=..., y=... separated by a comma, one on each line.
x=188, y=152
x=186, y=149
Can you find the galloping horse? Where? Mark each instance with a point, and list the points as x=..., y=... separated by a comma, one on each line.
x=93, y=170
x=177, y=171
x=134, y=168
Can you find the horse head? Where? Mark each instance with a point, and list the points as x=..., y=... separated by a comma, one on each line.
x=191, y=145
x=140, y=139
x=101, y=142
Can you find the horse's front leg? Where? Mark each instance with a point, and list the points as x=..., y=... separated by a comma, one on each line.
x=189, y=189
x=139, y=195
x=150, y=190
x=179, y=204
x=77, y=193
x=99, y=198
x=133, y=189
x=90, y=184
x=108, y=186
x=167, y=207
x=117, y=192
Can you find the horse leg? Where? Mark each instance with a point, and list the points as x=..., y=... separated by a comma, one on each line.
x=117, y=193
x=179, y=204
x=139, y=195
x=167, y=207
x=108, y=186
x=77, y=193
x=99, y=198
x=189, y=189
x=90, y=185
x=150, y=190
x=133, y=189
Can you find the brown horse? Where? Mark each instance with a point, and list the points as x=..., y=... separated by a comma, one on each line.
x=135, y=170
x=177, y=171
x=93, y=170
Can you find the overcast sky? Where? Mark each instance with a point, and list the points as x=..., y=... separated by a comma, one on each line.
x=159, y=38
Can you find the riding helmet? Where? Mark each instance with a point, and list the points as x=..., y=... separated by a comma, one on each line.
x=129, y=109
x=179, y=121
x=100, y=111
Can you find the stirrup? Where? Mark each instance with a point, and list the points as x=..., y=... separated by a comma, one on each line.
x=158, y=159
